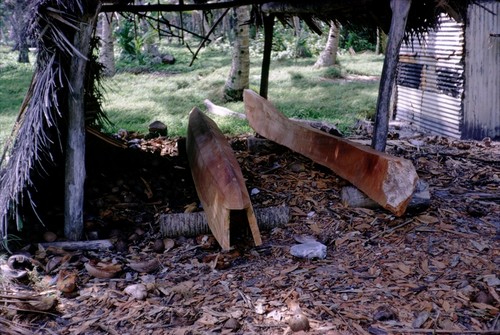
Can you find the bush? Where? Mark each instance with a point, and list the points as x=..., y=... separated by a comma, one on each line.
x=359, y=38
x=125, y=39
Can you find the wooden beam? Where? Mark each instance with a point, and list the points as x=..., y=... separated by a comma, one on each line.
x=312, y=6
x=386, y=179
x=400, y=10
x=219, y=181
x=177, y=7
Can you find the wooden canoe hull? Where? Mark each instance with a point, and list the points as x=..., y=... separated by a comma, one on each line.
x=218, y=179
x=388, y=180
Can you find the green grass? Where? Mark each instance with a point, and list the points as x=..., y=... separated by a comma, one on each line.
x=367, y=63
x=296, y=88
x=14, y=83
x=140, y=94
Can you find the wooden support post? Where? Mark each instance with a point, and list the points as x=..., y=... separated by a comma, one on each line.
x=75, y=145
x=219, y=181
x=266, y=59
x=386, y=179
x=400, y=10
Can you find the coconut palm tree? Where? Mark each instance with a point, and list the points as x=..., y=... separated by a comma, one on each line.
x=238, y=79
x=329, y=55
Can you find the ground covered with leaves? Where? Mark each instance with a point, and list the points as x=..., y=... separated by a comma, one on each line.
x=434, y=270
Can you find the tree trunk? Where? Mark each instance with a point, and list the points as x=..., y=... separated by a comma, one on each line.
x=381, y=42
x=22, y=44
x=200, y=25
x=18, y=20
x=226, y=27
x=75, y=146
x=238, y=79
x=377, y=45
x=107, y=54
x=296, y=26
x=328, y=56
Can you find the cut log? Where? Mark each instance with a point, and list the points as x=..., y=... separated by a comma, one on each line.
x=222, y=111
x=80, y=245
x=388, y=180
x=219, y=181
x=420, y=200
x=194, y=224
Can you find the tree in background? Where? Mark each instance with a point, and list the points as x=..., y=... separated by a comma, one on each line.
x=381, y=42
x=107, y=53
x=3, y=19
x=238, y=79
x=328, y=56
x=16, y=13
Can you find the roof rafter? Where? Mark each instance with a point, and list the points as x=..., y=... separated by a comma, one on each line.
x=125, y=7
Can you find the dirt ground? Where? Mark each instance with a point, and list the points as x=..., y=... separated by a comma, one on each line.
x=434, y=270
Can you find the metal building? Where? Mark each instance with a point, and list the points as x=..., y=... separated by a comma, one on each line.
x=448, y=80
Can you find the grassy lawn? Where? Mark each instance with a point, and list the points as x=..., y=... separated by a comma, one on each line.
x=14, y=82
x=138, y=95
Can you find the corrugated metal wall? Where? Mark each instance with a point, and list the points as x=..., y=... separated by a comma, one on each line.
x=482, y=71
x=430, y=80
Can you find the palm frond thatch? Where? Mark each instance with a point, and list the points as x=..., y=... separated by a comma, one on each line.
x=37, y=133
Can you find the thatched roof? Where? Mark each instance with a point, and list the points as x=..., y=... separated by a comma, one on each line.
x=370, y=13
x=39, y=134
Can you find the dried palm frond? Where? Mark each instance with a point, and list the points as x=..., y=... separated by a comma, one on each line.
x=37, y=134
x=10, y=328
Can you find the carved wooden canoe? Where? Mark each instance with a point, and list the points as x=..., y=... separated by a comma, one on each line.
x=219, y=182
x=388, y=180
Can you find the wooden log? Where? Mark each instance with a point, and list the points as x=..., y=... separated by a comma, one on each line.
x=80, y=245
x=420, y=200
x=222, y=111
x=219, y=181
x=388, y=180
x=194, y=224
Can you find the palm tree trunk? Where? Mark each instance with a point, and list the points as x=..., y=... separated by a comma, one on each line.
x=107, y=55
x=328, y=56
x=238, y=79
